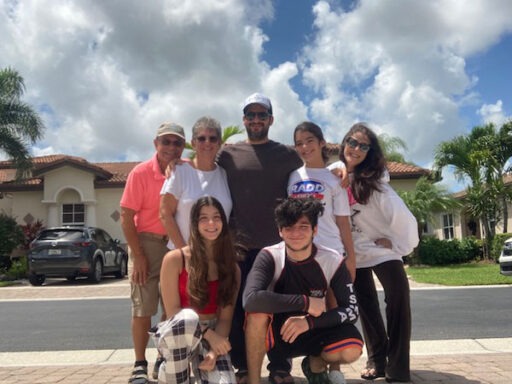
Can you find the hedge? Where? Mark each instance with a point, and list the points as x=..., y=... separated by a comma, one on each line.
x=433, y=251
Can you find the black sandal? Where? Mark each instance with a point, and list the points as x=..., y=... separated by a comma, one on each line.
x=314, y=377
x=156, y=368
x=280, y=377
x=371, y=374
x=139, y=374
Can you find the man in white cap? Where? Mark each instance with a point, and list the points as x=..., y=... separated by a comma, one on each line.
x=146, y=238
x=257, y=171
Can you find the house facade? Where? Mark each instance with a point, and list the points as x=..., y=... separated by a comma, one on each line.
x=458, y=224
x=66, y=190
x=69, y=190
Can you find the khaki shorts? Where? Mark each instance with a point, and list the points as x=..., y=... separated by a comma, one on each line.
x=145, y=297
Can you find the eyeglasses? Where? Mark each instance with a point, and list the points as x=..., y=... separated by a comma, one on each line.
x=175, y=143
x=261, y=115
x=353, y=143
x=211, y=139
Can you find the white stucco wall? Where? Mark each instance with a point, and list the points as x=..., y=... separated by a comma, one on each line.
x=67, y=177
x=107, y=204
x=403, y=184
x=24, y=203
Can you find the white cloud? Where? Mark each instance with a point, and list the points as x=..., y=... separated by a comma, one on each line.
x=493, y=113
x=105, y=74
x=399, y=65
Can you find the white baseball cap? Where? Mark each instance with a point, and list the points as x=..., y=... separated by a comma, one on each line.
x=258, y=98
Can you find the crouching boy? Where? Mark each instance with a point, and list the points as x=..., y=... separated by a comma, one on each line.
x=285, y=299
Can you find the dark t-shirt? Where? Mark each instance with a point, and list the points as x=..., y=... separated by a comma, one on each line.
x=257, y=178
x=279, y=285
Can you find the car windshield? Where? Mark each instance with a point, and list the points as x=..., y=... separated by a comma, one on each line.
x=61, y=234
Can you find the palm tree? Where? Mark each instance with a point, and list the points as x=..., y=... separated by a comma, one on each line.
x=481, y=158
x=502, y=143
x=391, y=147
x=232, y=130
x=20, y=125
x=427, y=199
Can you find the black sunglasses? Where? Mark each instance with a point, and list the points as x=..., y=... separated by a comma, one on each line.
x=261, y=115
x=353, y=143
x=211, y=139
x=176, y=143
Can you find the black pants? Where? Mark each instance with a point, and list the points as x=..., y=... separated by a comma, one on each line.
x=388, y=351
x=312, y=342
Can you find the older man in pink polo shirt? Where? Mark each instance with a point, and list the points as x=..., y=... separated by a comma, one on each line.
x=146, y=237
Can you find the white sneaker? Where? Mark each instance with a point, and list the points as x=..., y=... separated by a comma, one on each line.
x=337, y=377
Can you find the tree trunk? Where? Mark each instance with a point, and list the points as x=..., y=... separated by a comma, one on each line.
x=486, y=237
x=505, y=214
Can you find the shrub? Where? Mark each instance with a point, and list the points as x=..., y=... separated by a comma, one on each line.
x=471, y=248
x=18, y=268
x=433, y=251
x=30, y=232
x=11, y=235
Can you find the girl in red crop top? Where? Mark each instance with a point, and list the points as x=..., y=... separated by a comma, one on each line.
x=199, y=285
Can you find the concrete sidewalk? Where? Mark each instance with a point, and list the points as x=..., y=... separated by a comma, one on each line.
x=486, y=361
x=471, y=361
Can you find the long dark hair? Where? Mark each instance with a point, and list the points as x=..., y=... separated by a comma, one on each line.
x=224, y=256
x=315, y=130
x=367, y=175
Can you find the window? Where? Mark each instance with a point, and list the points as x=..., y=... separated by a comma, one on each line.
x=73, y=214
x=100, y=237
x=61, y=234
x=448, y=226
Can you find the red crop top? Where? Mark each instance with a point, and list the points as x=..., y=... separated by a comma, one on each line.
x=213, y=286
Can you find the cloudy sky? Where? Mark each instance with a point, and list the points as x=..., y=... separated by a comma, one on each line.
x=105, y=73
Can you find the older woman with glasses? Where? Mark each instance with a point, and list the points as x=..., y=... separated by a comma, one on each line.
x=192, y=180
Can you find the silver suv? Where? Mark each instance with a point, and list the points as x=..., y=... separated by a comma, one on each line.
x=71, y=252
x=505, y=259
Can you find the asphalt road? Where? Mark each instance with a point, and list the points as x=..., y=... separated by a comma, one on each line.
x=438, y=314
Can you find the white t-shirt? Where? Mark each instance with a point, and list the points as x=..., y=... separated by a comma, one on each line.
x=187, y=184
x=323, y=185
x=384, y=216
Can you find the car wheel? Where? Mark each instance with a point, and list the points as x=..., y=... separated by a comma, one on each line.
x=97, y=271
x=123, y=269
x=36, y=280
x=71, y=278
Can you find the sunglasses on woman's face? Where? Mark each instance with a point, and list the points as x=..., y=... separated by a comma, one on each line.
x=353, y=143
x=211, y=139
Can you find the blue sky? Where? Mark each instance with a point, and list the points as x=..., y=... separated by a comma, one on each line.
x=104, y=75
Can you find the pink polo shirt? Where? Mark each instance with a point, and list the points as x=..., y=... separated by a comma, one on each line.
x=142, y=194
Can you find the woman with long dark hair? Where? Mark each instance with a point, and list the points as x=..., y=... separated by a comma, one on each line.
x=384, y=230
x=199, y=285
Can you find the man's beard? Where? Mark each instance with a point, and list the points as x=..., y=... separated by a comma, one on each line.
x=257, y=136
x=299, y=249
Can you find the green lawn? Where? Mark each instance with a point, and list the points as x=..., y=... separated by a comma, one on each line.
x=460, y=274
x=7, y=283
